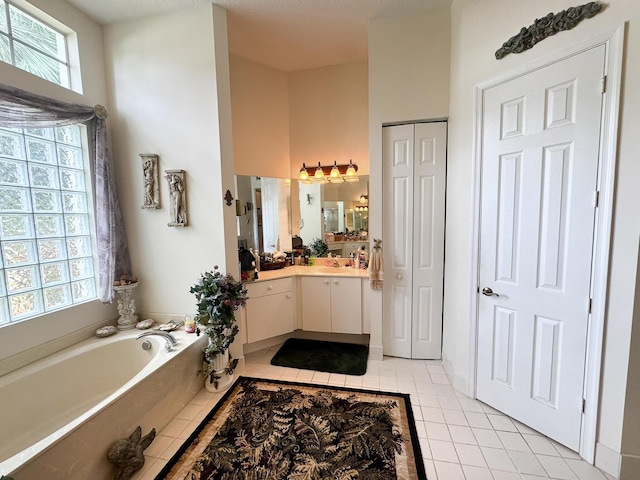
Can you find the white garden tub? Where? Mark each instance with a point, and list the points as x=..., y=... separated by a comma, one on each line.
x=59, y=415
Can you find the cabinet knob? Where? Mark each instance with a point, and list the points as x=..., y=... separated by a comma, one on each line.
x=270, y=287
x=399, y=277
x=288, y=295
x=326, y=282
x=336, y=282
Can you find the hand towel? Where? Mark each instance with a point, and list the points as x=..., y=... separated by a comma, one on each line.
x=376, y=269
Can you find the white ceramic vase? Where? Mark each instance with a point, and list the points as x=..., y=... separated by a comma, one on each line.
x=219, y=364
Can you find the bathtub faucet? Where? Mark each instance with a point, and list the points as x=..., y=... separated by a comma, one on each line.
x=171, y=340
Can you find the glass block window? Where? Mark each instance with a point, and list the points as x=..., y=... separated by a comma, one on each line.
x=30, y=44
x=46, y=232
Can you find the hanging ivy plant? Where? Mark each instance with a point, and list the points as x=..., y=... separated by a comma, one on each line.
x=218, y=296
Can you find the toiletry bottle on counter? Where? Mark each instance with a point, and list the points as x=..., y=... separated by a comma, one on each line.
x=362, y=258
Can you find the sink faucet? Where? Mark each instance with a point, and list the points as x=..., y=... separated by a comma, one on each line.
x=171, y=340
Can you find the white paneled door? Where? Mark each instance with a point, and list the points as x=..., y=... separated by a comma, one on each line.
x=414, y=169
x=540, y=144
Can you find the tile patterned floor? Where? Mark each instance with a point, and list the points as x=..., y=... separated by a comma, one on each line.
x=460, y=438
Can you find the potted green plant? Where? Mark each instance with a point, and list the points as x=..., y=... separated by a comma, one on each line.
x=218, y=296
x=318, y=247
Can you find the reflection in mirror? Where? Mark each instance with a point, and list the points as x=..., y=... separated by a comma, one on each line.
x=336, y=213
x=263, y=213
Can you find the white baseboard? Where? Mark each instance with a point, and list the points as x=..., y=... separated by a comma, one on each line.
x=375, y=352
x=608, y=460
x=458, y=382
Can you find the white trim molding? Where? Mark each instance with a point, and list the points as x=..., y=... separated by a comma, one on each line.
x=614, y=43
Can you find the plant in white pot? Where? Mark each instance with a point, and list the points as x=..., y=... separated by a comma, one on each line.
x=218, y=296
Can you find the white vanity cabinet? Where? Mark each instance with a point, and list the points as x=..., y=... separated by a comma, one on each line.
x=332, y=304
x=270, y=309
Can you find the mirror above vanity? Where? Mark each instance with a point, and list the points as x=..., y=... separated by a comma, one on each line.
x=337, y=213
x=267, y=219
x=263, y=213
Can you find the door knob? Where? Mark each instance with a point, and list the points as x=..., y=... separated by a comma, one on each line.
x=488, y=292
x=399, y=277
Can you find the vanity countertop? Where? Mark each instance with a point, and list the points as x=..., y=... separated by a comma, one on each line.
x=315, y=271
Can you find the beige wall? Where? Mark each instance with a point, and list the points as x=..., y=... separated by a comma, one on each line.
x=283, y=119
x=170, y=96
x=57, y=330
x=408, y=80
x=260, y=102
x=329, y=116
x=478, y=29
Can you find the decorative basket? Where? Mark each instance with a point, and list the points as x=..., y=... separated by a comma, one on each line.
x=272, y=265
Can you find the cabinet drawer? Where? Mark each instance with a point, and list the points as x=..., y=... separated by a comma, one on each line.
x=269, y=287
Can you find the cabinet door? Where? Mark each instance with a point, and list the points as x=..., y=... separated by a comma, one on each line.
x=270, y=316
x=316, y=307
x=346, y=305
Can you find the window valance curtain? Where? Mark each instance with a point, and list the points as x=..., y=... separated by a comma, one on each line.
x=21, y=109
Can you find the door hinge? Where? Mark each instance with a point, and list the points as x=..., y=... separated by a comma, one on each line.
x=590, y=304
x=584, y=405
x=596, y=199
x=603, y=84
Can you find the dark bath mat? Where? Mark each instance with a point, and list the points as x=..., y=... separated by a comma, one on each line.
x=332, y=357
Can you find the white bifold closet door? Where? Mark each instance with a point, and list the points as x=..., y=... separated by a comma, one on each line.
x=414, y=177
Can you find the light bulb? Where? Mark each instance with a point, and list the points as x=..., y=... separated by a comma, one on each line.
x=351, y=175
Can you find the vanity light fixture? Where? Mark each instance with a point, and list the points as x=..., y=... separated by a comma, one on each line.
x=303, y=176
x=351, y=175
x=363, y=204
x=319, y=176
x=334, y=174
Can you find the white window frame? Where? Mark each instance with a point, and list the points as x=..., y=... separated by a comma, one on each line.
x=27, y=9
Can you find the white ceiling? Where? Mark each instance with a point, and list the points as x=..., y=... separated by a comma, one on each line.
x=284, y=34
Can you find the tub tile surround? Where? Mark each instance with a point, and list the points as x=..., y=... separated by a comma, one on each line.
x=9, y=364
x=156, y=402
x=14, y=362
x=460, y=438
